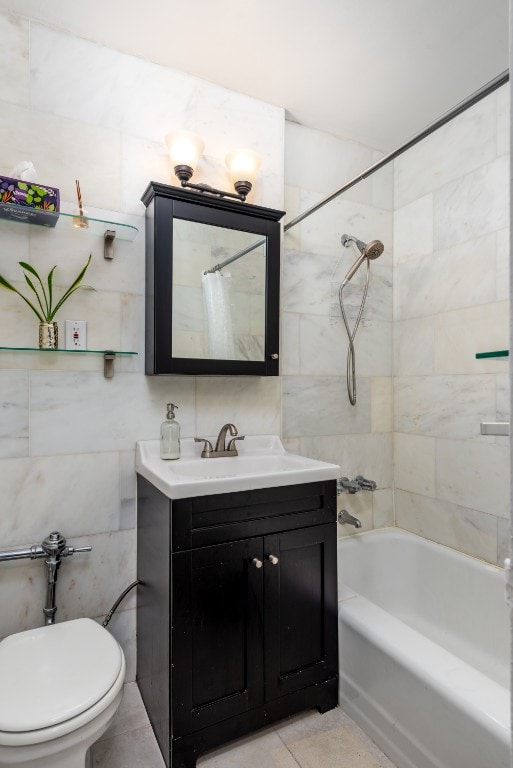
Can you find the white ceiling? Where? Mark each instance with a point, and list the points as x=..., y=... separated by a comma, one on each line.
x=375, y=71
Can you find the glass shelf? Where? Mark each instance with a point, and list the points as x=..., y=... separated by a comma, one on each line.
x=108, y=355
x=496, y=355
x=88, y=224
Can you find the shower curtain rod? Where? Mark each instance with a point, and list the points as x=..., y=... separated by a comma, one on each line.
x=236, y=256
x=491, y=86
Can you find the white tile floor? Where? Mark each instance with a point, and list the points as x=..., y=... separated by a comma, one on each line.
x=308, y=740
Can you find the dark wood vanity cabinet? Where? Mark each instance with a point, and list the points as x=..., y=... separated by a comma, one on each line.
x=237, y=612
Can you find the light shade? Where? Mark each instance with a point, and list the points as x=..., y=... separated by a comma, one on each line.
x=242, y=165
x=184, y=148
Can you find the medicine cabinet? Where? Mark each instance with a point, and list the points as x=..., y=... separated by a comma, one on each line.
x=212, y=284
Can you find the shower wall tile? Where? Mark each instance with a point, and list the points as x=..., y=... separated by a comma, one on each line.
x=123, y=627
x=306, y=282
x=502, y=266
x=457, y=148
x=127, y=490
x=382, y=185
x=14, y=410
x=381, y=404
x=124, y=94
x=453, y=278
x=476, y=477
x=472, y=205
x=378, y=305
x=326, y=162
x=107, y=414
x=14, y=54
x=374, y=349
x=414, y=463
x=383, y=508
x=443, y=406
x=322, y=346
x=503, y=120
x=67, y=435
x=502, y=382
x=467, y=530
x=459, y=335
x=413, y=230
x=289, y=344
x=451, y=300
x=503, y=548
x=41, y=495
x=251, y=403
x=23, y=595
x=88, y=583
x=321, y=232
x=413, y=347
x=318, y=405
x=58, y=144
x=68, y=250
x=369, y=455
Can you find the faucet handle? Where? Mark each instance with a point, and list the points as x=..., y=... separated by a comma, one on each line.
x=345, y=484
x=207, y=447
x=231, y=444
x=367, y=485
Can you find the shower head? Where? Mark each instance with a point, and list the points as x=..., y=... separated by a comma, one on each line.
x=367, y=251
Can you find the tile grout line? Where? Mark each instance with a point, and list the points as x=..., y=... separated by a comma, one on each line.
x=287, y=748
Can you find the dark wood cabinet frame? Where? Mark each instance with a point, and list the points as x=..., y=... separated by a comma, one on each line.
x=165, y=203
x=225, y=647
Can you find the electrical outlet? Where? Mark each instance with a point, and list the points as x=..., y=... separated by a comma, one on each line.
x=76, y=334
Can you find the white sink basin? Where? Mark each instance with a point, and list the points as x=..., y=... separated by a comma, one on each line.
x=262, y=463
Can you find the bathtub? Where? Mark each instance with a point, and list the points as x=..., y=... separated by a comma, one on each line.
x=424, y=651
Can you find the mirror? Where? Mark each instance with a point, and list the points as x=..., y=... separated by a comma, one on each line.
x=218, y=292
x=212, y=284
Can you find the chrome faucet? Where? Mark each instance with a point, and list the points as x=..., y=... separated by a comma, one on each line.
x=221, y=448
x=344, y=517
x=360, y=483
x=366, y=485
x=345, y=484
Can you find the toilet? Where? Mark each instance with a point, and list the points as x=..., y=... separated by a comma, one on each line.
x=60, y=687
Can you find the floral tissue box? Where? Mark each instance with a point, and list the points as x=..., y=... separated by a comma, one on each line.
x=29, y=202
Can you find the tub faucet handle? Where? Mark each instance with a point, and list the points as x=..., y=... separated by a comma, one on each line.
x=367, y=485
x=345, y=484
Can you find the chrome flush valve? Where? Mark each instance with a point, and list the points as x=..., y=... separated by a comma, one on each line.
x=53, y=548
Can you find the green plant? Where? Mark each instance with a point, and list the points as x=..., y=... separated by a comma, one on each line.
x=44, y=293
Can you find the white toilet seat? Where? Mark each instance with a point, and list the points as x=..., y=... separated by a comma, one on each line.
x=59, y=679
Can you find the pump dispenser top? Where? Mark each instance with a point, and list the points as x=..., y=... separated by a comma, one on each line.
x=170, y=435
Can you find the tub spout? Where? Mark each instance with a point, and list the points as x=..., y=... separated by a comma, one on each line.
x=344, y=517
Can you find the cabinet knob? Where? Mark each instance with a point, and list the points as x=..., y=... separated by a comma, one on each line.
x=273, y=559
x=256, y=562
x=274, y=356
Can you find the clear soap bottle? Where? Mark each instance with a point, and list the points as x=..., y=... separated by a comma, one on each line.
x=170, y=435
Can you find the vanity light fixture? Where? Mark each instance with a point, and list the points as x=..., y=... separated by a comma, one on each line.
x=186, y=148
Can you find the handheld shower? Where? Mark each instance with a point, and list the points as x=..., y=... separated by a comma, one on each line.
x=368, y=251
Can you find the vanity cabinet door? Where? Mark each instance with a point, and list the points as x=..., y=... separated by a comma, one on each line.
x=300, y=609
x=217, y=644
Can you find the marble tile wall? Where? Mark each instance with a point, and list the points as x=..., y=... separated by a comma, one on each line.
x=318, y=420
x=451, y=300
x=67, y=434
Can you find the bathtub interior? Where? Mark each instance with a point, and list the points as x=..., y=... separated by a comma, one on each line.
x=452, y=599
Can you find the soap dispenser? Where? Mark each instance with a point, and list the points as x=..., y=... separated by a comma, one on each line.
x=170, y=435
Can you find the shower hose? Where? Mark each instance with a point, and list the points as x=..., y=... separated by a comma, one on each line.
x=351, y=363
